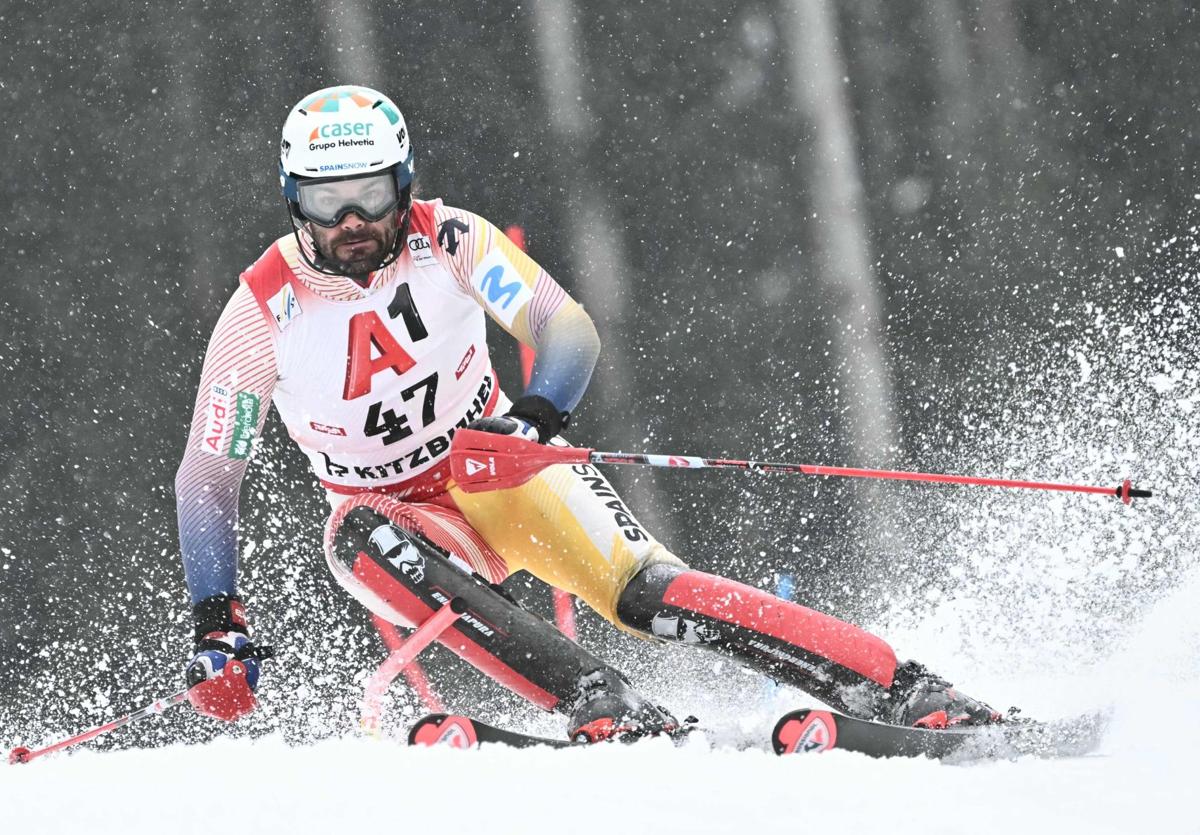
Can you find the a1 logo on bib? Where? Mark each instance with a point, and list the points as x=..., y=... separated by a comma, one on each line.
x=421, y=250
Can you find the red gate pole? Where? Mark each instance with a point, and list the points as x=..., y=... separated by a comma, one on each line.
x=564, y=604
x=414, y=672
x=401, y=658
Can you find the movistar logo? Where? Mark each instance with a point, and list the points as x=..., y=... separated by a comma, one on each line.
x=340, y=129
x=496, y=289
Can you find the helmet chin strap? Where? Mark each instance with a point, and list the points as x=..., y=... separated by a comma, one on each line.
x=325, y=265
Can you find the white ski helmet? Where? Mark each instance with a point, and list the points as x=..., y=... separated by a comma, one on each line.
x=344, y=133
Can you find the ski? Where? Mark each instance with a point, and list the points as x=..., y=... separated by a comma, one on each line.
x=457, y=731
x=464, y=732
x=805, y=731
x=810, y=731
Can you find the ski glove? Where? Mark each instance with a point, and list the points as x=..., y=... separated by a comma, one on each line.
x=531, y=417
x=223, y=673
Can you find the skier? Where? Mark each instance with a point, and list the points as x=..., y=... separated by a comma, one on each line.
x=365, y=327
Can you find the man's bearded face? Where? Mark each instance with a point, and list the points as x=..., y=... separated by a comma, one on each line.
x=356, y=246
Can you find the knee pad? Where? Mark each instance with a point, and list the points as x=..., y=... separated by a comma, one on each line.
x=815, y=651
x=403, y=577
x=642, y=607
x=364, y=532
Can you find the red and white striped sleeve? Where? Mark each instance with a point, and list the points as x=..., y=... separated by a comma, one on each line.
x=471, y=249
x=236, y=385
x=524, y=300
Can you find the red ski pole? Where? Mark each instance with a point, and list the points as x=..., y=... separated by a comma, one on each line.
x=22, y=754
x=483, y=461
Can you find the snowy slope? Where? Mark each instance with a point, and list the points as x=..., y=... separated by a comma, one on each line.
x=357, y=786
x=1142, y=779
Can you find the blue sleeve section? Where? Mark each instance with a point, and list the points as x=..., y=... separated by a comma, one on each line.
x=210, y=474
x=208, y=531
x=565, y=357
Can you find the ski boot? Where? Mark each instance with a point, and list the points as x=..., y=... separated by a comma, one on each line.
x=920, y=699
x=606, y=707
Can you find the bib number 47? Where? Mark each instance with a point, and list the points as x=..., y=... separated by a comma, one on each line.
x=394, y=427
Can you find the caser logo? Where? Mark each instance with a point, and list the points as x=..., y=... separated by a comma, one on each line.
x=474, y=466
x=341, y=129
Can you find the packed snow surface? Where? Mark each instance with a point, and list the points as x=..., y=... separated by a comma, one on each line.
x=1140, y=780
x=353, y=786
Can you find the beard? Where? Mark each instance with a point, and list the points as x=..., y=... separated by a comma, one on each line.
x=359, y=253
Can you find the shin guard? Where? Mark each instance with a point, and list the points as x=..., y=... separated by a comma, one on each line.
x=839, y=663
x=403, y=577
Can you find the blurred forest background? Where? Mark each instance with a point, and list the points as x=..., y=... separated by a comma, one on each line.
x=809, y=230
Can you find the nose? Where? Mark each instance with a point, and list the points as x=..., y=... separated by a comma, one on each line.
x=351, y=220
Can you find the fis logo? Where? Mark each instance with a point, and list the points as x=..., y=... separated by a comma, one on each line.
x=284, y=306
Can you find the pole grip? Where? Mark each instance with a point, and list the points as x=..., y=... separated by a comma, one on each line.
x=1126, y=492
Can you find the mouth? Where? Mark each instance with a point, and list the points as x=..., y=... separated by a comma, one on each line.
x=356, y=248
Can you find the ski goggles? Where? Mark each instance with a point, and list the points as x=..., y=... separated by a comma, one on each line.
x=326, y=202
